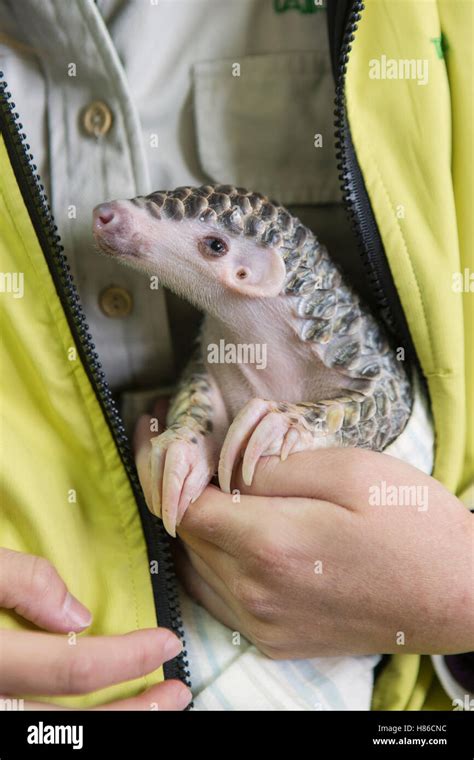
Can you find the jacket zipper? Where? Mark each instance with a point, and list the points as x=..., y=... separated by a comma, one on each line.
x=356, y=200
x=158, y=547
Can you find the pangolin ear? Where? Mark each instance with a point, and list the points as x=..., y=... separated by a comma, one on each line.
x=260, y=274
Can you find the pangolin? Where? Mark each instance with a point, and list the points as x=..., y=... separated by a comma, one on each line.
x=262, y=278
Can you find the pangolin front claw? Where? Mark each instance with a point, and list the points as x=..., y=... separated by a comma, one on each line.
x=182, y=465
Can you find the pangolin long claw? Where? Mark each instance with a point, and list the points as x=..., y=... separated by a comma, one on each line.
x=237, y=436
x=182, y=465
x=291, y=438
x=267, y=433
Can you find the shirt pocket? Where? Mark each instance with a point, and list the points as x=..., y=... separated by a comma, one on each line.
x=258, y=130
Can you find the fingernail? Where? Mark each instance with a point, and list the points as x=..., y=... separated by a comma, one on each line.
x=172, y=647
x=183, y=698
x=77, y=615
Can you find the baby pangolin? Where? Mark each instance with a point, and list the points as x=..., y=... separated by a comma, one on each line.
x=262, y=279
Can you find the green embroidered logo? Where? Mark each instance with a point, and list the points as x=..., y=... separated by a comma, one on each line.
x=303, y=6
x=441, y=46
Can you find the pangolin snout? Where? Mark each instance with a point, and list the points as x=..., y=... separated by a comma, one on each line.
x=105, y=214
x=113, y=227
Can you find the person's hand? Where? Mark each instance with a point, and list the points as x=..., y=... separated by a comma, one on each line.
x=304, y=565
x=44, y=663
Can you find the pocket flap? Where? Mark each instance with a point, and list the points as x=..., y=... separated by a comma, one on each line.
x=257, y=120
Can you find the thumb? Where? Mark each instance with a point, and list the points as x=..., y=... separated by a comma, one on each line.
x=338, y=475
x=32, y=587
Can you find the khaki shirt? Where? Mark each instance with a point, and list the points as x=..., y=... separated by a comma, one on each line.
x=122, y=98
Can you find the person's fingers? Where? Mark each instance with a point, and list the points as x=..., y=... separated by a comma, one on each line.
x=342, y=476
x=33, y=588
x=203, y=593
x=142, y=449
x=217, y=569
x=216, y=517
x=47, y=664
x=169, y=695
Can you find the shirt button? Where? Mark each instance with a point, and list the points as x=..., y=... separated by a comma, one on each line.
x=115, y=302
x=97, y=118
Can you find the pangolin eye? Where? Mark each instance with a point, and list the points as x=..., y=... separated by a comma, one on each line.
x=213, y=246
